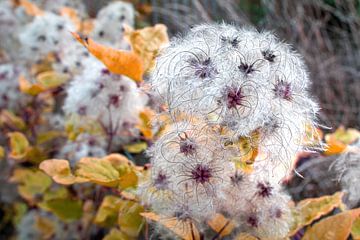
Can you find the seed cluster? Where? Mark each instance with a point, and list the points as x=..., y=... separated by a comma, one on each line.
x=238, y=108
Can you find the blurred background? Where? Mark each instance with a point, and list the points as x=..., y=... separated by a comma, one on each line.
x=325, y=32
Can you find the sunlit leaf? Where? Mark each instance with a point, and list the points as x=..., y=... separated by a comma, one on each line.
x=31, y=183
x=245, y=236
x=334, y=227
x=60, y=171
x=98, y=171
x=186, y=230
x=311, y=209
x=221, y=225
x=19, y=145
x=117, y=61
x=136, y=147
x=147, y=42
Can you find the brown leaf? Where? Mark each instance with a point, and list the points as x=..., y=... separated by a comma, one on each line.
x=221, y=225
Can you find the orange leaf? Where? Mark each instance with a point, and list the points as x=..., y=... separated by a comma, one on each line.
x=117, y=61
x=145, y=123
x=30, y=8
x=334, y=227
x=186, y=230
x=147, y=42
x=221, y=225
x=29, y=88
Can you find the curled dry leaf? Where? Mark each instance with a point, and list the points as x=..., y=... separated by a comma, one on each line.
x=186, y=230
x=311, y=209
x=117, y=61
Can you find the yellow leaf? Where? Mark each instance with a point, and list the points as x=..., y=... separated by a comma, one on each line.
x=51, y=79
x=19, y=145
x=129, y=219
x=136, y=147
x=145, y=123
x=2, y=153
x=60, y=171
x=221, y=225
x=336, y=227
x=98, y=171
x=116, y=234
x=10, y=119
x=147, y=42
x=117, y=61
x=29, y=88
x=44, y=137
x=108, y=211
x=31, y=183
x=30, y=8
x=186, y=230
x=311, y=209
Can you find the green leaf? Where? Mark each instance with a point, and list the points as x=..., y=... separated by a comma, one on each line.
x=116, y=234
x=65, y=209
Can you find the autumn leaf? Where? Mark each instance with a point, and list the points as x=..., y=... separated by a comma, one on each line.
x=245, y=236
x=98, y=171
x=147, y=42
x=144, y=126
x=355, y=229
x=108, y=211
x=117, y=61
x=186, y=230
x=221, y=225
x=31, y=183
x=51, y=79
x=27, y=87
x=60, y=171
x=339, y=140
x=11, y=120
x=19, y=145
x=30, y=8
x=116, y=234
x=136, y=147
x=65, y=209
x=44, y=226
x=45, y=137
x=334, y=227
x=129, y=218
x=311, y=209
x=2, y=153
